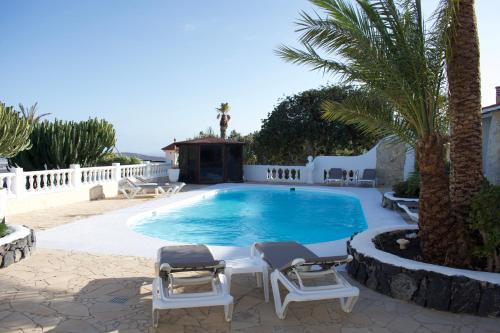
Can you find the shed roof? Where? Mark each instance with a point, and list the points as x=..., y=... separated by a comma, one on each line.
x=172, y=146
x=210, y=140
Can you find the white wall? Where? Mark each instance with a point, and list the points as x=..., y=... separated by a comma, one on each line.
x=25, y=204
x=409, y=163
x=360, y=162
x=259, y=173
x=171, y=157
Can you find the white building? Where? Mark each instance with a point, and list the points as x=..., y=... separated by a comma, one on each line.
x=171, y=153
x=491, y=140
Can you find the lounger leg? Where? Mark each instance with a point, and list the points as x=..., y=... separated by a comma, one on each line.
x=228, y=272
x=228, y=311
x=265, y=283
x=258, y=279
x=156, y=317
x=347, y=303
x=125, y=194
x=280, y=308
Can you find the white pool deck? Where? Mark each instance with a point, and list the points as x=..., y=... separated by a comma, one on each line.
x=110, y=234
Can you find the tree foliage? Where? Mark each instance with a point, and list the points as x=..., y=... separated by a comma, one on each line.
x=223, y=115
x=110, y=158
x=485, y=220
x=31, y=113
x=383, y=46
x=296, y=129
x=57, y=144
x=15, y=132
x=249, y=152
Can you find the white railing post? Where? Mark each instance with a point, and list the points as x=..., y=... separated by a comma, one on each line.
x=76, y=175
x=3, y=203
x=117, y=172
x=147, y=169
x=19, y=182
x=309, y=170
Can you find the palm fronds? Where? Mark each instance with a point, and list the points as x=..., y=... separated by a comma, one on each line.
x=385, y=47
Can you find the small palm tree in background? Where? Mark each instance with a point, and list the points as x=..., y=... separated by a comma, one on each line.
x=31, y=113
x=385, y=47
x=222, y=114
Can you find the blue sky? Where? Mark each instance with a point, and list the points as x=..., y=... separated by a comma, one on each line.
x=158, y=69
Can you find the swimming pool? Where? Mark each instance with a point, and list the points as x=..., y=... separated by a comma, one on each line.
x=242, y=216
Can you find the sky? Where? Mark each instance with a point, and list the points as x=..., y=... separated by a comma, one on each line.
x=158, y=69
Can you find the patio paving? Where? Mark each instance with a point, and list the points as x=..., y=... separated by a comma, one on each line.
x=64, y=291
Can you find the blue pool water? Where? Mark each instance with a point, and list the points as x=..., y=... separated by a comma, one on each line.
x=240, y=217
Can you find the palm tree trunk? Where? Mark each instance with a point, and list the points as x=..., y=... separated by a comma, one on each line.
x=465, y=115
x=434, y=203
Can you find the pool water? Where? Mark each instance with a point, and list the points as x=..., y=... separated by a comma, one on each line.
x=240, y=217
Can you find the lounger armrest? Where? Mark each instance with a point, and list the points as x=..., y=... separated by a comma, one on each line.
x=216, y=267
x=336, y=260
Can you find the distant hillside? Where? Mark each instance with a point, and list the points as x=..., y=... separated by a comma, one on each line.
x=145, y=157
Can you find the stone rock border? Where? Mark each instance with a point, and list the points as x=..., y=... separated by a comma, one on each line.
x=432, y=286
x=17, y=245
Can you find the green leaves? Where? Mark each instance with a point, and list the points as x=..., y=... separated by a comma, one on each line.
x=57, y=144
x=296, y=129
x=4, y=230
x=384, y=47
x=15, y=132
x=223, y=109
x=485, y=220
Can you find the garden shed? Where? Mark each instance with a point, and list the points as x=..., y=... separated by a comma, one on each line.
x=210, y=161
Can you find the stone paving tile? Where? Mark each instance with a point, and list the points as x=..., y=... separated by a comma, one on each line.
x=62, y=291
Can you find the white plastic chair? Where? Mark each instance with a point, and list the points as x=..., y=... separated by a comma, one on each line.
x=189, y=258
x=286, y=260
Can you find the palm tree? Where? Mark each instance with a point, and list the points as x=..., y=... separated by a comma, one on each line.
x=465, y=110
x=31, y=113
x=384, y=47
x=222, y=114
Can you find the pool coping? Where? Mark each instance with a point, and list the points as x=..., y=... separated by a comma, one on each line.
x=110, y=233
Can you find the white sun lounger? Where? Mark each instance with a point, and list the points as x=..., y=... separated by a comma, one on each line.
x=369, y=176
x=335, y=175
x=292, y=264
x=172, y=260
x=176, y=187
x=130, y=189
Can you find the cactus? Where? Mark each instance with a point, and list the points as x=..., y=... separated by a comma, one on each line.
x=57, y=144
x=15, y=132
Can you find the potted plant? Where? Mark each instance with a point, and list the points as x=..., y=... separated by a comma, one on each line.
x=173, y=174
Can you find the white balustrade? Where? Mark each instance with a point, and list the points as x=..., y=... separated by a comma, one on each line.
x=96, y=175
x=47, y=180
x=158, y=169
x=7, y=182
x=133, y=170
x=275, y=173
x=19, y=182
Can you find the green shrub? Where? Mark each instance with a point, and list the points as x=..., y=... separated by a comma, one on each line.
x=400, y=189
x=485, y=220
x=110, y=158
x=57, y=144
x=413, y=189
x=3, y=228
x=409, y=188
x=15, y=131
